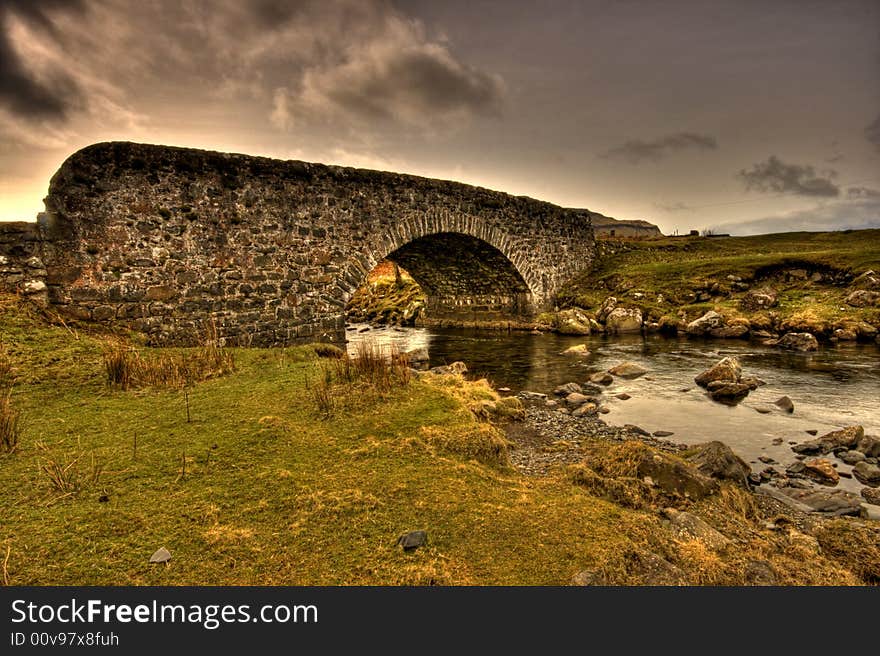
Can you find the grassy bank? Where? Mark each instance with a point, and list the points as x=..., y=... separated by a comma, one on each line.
x=386, y=298
x=683, y=277
x=284, y=469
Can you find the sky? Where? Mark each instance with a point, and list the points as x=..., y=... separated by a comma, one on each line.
x=739, y=116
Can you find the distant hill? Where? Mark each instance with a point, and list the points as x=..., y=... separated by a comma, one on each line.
x=605, y=225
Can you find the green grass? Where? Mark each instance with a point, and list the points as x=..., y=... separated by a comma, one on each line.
x=257, y=488
x=675, y=267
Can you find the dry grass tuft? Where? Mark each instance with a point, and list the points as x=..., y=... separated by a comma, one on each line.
x=625, y=491
x=854, y=545
x=127, y=369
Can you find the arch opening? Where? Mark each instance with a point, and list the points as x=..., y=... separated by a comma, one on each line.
x=462, y=279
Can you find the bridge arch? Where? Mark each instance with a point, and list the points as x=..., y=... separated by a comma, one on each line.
x=162, y=239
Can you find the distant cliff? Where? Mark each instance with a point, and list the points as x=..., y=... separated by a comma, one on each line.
x=605, y=225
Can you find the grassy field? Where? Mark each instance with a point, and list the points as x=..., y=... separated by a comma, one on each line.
x=676, y=267
x=287, y=473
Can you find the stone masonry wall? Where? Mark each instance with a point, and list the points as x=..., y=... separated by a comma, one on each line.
x=164, y=239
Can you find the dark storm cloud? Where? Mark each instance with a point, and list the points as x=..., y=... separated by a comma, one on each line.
x=774, y=175
x=637, y=151
x=872, y=132
x=673, y=207
x=23, y=93
x=862, y=192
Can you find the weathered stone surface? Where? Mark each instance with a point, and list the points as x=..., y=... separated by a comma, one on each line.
x=851, y=457
x=568, y=388
x=867, y=280
x=161, y=555
x=624, y=320
x=821, y=470
x=863, y=298
x=729, y=392
x=785, y=404
x=831, y=502
x=628, y=370
x=674, y=477
x=704, y=324
x=848, y=436
x=579, y=350
x=798, y=342
x=870, y=446
x=871, y=495
x=602, y=378
x=413, y=540
x=585, y=410
x=728, y=369
x=717, y=460
x=760, y=572
x=576, y=399
x=730, y=332
x=686, y=526
x=572, y=322
x=605, y=309
x=272, y=250
x=867, y=473
x=457, y=367
x=759, y=299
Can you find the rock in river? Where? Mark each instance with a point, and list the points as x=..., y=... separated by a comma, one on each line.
x=867, y=473
x=728, y=369
x=729, y=392
x=602, y=378
x=628, y=370
x=568, y=388
x=785, y=404
x=871, y=495
x=797, y=342
x=580, y=350
x=821, y=470
x=572, y=322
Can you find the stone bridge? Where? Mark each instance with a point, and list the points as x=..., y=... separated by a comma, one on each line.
x=163, y=239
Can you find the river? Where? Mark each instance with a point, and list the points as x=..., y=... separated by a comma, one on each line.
x=837, y=386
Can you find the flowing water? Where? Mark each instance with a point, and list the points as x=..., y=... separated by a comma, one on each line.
x=834, y=387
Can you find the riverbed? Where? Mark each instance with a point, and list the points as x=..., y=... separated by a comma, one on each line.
x=837, y=386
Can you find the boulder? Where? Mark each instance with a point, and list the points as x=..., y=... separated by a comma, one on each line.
x=863, y=298
x=628, y=370
x=870, y=446
x=866, y=330
x=686, y=526
x=728, y=369
x=798, y=342
x=821, y=470
x=580, y=350
x=866, y=473
x=716, y=459
x=704, y=324
x=590, y=388
x=675, y=477
x=785, y=404
x=450, y=369
x=161, y=555
x=576, y=399
x=585, y=410
x=412, y=540
x=812, y=447
x=730, y=332
x=831, y=502
x=624, y=320
x=729, y=392
x=568, y=388
x=602, y=378
x=867, y=280
x=851, y=457
x=759, y=299
x=845, y=335
x=417, y=355
x=605, y=309
x=572, y=322
x=871, y=495
x=849, y=436
x=532, y=396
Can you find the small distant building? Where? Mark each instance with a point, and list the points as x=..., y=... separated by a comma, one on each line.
x=608, y=227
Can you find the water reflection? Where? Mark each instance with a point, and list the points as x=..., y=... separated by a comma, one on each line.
x=831, y=388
